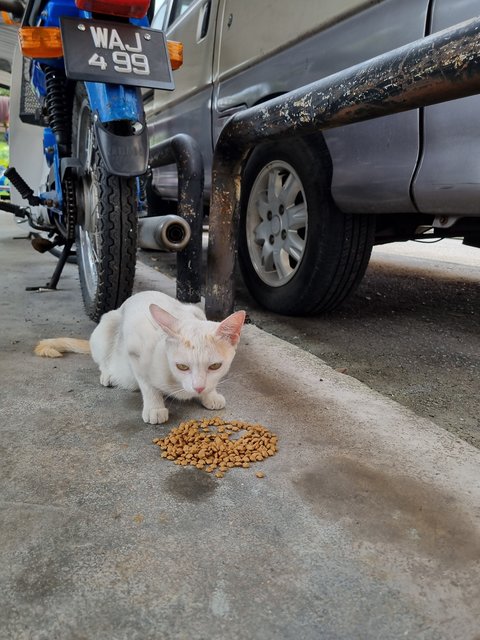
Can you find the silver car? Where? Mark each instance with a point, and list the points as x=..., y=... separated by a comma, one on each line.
x=313, y=208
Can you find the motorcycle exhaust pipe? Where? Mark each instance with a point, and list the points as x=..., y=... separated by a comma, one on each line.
x=171, y=233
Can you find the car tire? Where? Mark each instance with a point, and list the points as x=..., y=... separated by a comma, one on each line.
x=298, y=253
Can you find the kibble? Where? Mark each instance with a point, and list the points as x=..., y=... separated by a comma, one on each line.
x=207, y=445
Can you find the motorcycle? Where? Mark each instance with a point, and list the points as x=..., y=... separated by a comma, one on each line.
x=84, y=62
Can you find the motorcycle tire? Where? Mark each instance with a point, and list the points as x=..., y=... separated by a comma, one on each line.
x=106, y=229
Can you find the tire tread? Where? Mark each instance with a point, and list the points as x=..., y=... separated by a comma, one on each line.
x=118, y=232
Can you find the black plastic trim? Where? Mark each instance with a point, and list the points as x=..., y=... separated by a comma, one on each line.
x=123, y=155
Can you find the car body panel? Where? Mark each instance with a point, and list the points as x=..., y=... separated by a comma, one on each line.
x=275, y=25
x=187, y=109
x=245, y=57
x=382, y=153
x=448, y=177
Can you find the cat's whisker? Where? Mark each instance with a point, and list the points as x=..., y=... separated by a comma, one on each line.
x=174, y=393
x=220, y=382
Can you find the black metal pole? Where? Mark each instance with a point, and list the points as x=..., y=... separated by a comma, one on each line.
x=435, y=69
x=185, y=153
x=52, y=284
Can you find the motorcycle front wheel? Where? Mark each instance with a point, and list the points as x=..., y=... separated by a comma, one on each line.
x=106, y=230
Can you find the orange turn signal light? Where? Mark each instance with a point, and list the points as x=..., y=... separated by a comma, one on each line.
x=7, y=18
x=40, y=42
x=175, y=53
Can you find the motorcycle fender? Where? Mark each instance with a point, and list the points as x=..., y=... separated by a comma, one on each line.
x=123, y=155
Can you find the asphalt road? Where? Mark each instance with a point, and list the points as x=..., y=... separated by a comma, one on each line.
x=411, y=331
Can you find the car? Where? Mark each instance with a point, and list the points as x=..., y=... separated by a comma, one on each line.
x=313, y=207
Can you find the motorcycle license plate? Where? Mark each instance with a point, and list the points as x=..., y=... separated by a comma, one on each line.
x=101, y=51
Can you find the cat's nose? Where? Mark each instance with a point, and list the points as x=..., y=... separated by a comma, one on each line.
x=199, y=389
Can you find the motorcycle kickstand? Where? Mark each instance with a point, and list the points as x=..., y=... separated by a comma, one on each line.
x=52, y=284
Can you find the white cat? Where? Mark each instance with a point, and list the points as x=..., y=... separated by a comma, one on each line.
x=162, y=347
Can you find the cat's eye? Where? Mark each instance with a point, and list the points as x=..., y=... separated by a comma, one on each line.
x=183, y=367
x=215, y=366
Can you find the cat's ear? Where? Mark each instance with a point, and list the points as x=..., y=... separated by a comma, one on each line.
x=230, y=328
x=164, y=320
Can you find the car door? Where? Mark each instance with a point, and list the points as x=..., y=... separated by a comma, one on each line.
x=187, y=108
x=373, y=162
x=448, y=178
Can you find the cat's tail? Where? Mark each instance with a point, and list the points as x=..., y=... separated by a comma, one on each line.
x=56, y=347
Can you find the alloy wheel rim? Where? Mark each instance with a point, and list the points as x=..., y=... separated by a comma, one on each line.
x=276, y=223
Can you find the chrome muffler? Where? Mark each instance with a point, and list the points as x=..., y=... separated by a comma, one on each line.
x=170, y=233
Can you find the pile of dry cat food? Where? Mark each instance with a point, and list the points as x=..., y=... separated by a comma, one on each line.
x=212, y=443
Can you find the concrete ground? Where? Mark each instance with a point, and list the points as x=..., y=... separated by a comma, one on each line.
x=366, y=524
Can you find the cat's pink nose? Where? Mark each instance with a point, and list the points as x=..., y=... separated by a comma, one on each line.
x=199, y=389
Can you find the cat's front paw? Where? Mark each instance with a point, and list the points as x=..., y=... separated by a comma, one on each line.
x=213, y=400
x=155, y=415
x=105, y=380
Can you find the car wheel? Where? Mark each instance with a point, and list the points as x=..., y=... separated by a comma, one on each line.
x=298, y=254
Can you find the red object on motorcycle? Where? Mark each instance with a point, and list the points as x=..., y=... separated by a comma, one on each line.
x=124, y=8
